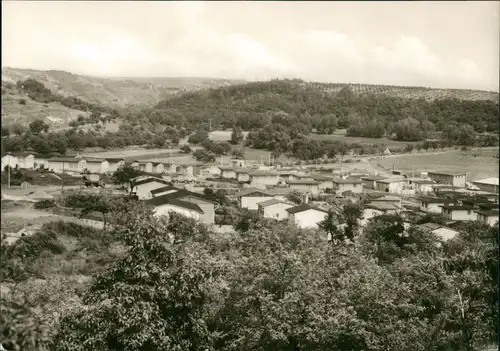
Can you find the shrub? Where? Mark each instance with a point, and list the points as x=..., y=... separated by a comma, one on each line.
x=44, y=204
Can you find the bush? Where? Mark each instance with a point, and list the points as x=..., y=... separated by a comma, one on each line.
x=22, y=101
x=44, y=204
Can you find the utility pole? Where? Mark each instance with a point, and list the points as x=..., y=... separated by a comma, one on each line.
x=210, y=125
x=8, y=184
x=62, y=177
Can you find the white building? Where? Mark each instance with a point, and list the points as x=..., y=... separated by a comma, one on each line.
x=260, y=178
x=274, y=209
x=114, y=164
x=432, y=204
x=342, y=185
x=458, y=179
x=66, y=164
x=304, y=186
x=442, y=232
x=142, y=188
x=421, y=185
x=390, y=185
x=306, y=216
x=97, y=165
x=489, y=184
x=459, y=213
x=489, y=217
x=372, y=210
x=187, y=203
x=250, y=198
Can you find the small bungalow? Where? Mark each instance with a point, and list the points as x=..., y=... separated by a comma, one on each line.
x=10, y=160
x=158, y=167
x=145, y=166
x=433, y=204
x=421, y=185
x=388, y=199
x=488, y=216
x=227, y=173
x=97, y=165
x=370, y=182
x=443, y=232
x=114, y=163
x=488, y=184
x=352, y=184
x=66, y=164
x=250, y=198
x=455, y=212
x=374, y=209
x=490, y=197
x=457, y=179
x=306, y=216
x=260, y=178
x=280, y=193
x=242, y=175
x=304, y=186
x=142, y=187
x=390, y=185
x=325, y=182
x=187, y=203
x=275, y=209
x=288, y=176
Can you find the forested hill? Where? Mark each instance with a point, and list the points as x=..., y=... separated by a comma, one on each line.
x=254, y=105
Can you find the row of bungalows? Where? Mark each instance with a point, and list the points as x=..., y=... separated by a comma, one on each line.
x=462, y=208
x=149, y=167
x=254, y=177
x=22, y=160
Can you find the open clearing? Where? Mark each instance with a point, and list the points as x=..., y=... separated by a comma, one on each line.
x=362, y=141
x=484, y=165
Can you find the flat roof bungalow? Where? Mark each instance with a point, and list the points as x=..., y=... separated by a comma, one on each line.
x=354, y=185
x=458, y=179
x=443, y=232
x=274, y=208
x=250, y=198
x=456, y=212
x=487, y=184
x=304, y=185
x=488, y=216
x=306, y=216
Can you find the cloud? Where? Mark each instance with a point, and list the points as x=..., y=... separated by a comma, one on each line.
x=192, y=39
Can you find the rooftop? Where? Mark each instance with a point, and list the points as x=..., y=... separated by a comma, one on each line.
x=457, y=207
x=249, y=191
x=150, y=180
x=487, y=181
x=261, y=173
x=65, y=159
x=390, y=180
x=94, y=160
x=447, y=173
x=272, y=202
x=302, y=182
x=387, y=198
x=304, y=207
x=382, y=206
x=373, y=178
x=348, y=181
x=491, y=213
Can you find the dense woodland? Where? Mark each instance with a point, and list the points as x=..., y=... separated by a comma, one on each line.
x=280, y=115
x=171, y=284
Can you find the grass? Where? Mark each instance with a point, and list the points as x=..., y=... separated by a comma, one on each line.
x=484, y=165
x=362, y=141
x=54, y=114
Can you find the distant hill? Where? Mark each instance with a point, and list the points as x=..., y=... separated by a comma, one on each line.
x=115, y=92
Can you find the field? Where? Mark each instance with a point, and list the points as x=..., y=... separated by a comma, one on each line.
x=362, y=141
x=134, y=153
x=54, y=114
x=484, y=165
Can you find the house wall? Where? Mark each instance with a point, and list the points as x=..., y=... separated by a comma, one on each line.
x=208, y=208
x=165, y=209
x=460, y=215
x=242, y=177
x=325, y=184
x=113, y=166
x=308, y=219
x=57, y=167
x=490, y=188
x=355, y=188
x=250, y=202
x=455, y=180
x=306, y=188
x=27, y=162
x=276, y=211
x=264, y=180
x=490, y=220
x=9, y=160
x=143, y=191
x=94, y=167
x=228, y=174
x=369, y=184
x=159, y=168
x=396, y=187
x=431, y=207
x=369, y=213
x=424, y=188
x=445, y=233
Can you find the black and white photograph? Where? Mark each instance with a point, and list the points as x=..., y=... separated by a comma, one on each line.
x=250, y=176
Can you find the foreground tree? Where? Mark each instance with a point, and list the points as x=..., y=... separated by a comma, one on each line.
x=125, y=175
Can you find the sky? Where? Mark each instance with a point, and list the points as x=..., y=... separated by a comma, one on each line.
x=433, y=44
